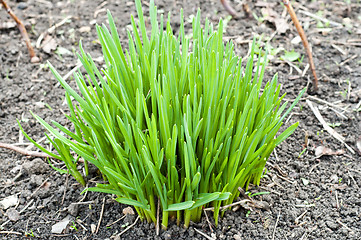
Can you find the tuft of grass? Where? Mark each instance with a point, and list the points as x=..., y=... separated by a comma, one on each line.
x=173, y=119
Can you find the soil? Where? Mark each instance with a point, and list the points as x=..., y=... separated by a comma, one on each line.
x=311, y=196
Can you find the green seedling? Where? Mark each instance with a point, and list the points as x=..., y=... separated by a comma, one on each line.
x=302, y=152
x=291, y=56
x=60, y=51
x=73, y=226
x=174, y=120
x=7, y=74
x=31, y=233
x=333, y=125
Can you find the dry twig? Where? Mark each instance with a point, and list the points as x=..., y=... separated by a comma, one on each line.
x=274, y=230
x=135, y=222
x=24, y=151
x=110, y=224
x=10, y=232
x=229, y=205
x=229, y=9
x=24, y=33
x=327, y=127
x=344, y=225
x=41, y=185
x=101, y=216
x=204, y=235
x=209, y=223
x=304, y=40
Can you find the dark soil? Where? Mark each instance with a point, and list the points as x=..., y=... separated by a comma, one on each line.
x=311, y=198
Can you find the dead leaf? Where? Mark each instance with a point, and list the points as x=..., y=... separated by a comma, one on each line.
x=281, y=25
x=49, y=44
x=128, y=210
x=339, y=187
x=93, y=227
x=273, y=17
x=60, y=226
x=267, y=223
x=322, y=150
x=9, y=201
x=296, y=40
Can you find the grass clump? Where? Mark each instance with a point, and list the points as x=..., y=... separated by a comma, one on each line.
x=173, y=119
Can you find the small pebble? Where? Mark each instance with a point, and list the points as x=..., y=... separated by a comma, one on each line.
x=22, y=5
x=237, y=237
x=73, y=209
x=13, y=215
x=84, y=29
x=334, y=178
x=167, y=236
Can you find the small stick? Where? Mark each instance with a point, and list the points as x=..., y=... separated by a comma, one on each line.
x=229, y=9
x=204, y=235
x=349, y=59
x=304, y=235
x=337, y=204
x=101, y=216
x=24, y=151
x=274, y=230
x=336, y=24
x=286, y=179
x=343, y=225
x=328, y=103
x=327, y=127
x=353, y=180
x=299, y=217
x=135, y=222
x=83, y=203
x=80, y=223
x=209, y=223
x=39, y=187
x=24, y=33
x=10, y=232
x=304, y=40
x=116, y=221
x=229, y=205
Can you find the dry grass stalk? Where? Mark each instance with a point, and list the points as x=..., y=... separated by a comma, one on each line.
x=24, y=33
x=304, y=40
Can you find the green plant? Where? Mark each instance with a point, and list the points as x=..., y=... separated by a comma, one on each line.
x=31, y=233
x=291, y=56
x=333, y=125
x=73, y=226
x=172, y=120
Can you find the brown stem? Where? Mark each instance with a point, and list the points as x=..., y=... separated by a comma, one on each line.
x=24, y=151
x=24, y=33
x=304, y=41
x=229, y=9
